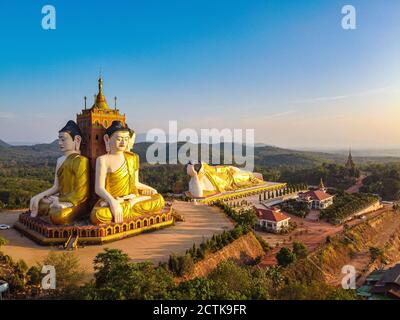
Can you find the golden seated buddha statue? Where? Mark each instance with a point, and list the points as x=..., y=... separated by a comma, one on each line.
x=123, y=197
x=66, y=200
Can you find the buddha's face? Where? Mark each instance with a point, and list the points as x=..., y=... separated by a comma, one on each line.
x=65, y=142
x=190, y=170
x=193, y=169
x=119, y=141
x=131, y=142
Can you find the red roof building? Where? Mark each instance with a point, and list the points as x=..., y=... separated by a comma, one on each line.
x=272, y=219
x=316, y=199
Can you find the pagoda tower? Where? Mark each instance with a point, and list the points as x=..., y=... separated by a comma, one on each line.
x=93, y=123
x=350, y=165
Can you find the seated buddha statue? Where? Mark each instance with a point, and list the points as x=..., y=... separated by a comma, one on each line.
x=208, y=180
x=65, y=201
x=122, y=196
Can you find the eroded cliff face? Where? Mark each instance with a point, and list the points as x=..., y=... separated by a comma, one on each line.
x=244, y=250
x=352, y=247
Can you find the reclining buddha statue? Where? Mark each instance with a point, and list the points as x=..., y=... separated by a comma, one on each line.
x=66, y=200
x=122, y=196
x=209, y=180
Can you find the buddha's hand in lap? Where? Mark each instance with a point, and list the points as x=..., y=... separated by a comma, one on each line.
x=148, y=191
x=126, y=198
x=116, y=210
x=34, y=205
x=133, y=201
x=61, y=205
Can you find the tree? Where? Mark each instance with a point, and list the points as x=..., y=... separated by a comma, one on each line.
x=231, y=281
x=376, y=253
x=248, y=218
x=3, y=242
x=285, y=257
x=118, y=279
x=181, y=265
x=196, y=289
x=300, y=250
x=34, y=276
x=68, y=271
x=107, y=263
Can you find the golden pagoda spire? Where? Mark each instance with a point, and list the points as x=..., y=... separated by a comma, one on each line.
x=100, y=102
x=321, y=185
x=100, y=85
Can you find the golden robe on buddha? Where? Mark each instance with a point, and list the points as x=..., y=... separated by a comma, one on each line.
x=121, y=183
x=229, y=178
x=73, y=180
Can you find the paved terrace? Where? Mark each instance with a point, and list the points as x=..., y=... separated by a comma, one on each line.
x=201, y=222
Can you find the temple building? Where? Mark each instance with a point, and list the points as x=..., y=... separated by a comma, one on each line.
x=317, y=199
x=272, y=219
x=93, y=123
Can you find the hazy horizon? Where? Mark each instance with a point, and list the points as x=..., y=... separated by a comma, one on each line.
x=357, y=152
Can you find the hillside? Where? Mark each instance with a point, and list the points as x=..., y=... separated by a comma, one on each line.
x=4, y=144
x=36, y=154
x=352, y=248
x=243, y=250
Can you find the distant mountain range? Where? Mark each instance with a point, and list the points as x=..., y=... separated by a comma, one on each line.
x=263, y=154
x=4, y=144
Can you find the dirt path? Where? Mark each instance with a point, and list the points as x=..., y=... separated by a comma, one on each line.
x=356, y=187
x=311, y=233
x=361, y=260
x=201, y=222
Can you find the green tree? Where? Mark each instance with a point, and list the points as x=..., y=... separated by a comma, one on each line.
x=285, y=257
x=107, y=263
x=69, y=274
x=3, y=242
x=196, y=289
x=34, y=276
x=376, y=253
x=300, y=250
x=231, y=281
x=116, y=278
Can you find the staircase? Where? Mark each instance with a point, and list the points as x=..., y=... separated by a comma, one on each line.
x=72, y=243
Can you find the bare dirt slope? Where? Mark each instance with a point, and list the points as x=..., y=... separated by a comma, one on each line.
x=242, y=250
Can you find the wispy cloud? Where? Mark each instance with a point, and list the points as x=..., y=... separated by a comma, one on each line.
x=7, y=115
x=347, y=96
x=280, y=114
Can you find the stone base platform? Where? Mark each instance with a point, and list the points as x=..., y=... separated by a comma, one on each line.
x=45, y=233
x=241, y=193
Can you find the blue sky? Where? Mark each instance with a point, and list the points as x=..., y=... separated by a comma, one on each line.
x=285, y=68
